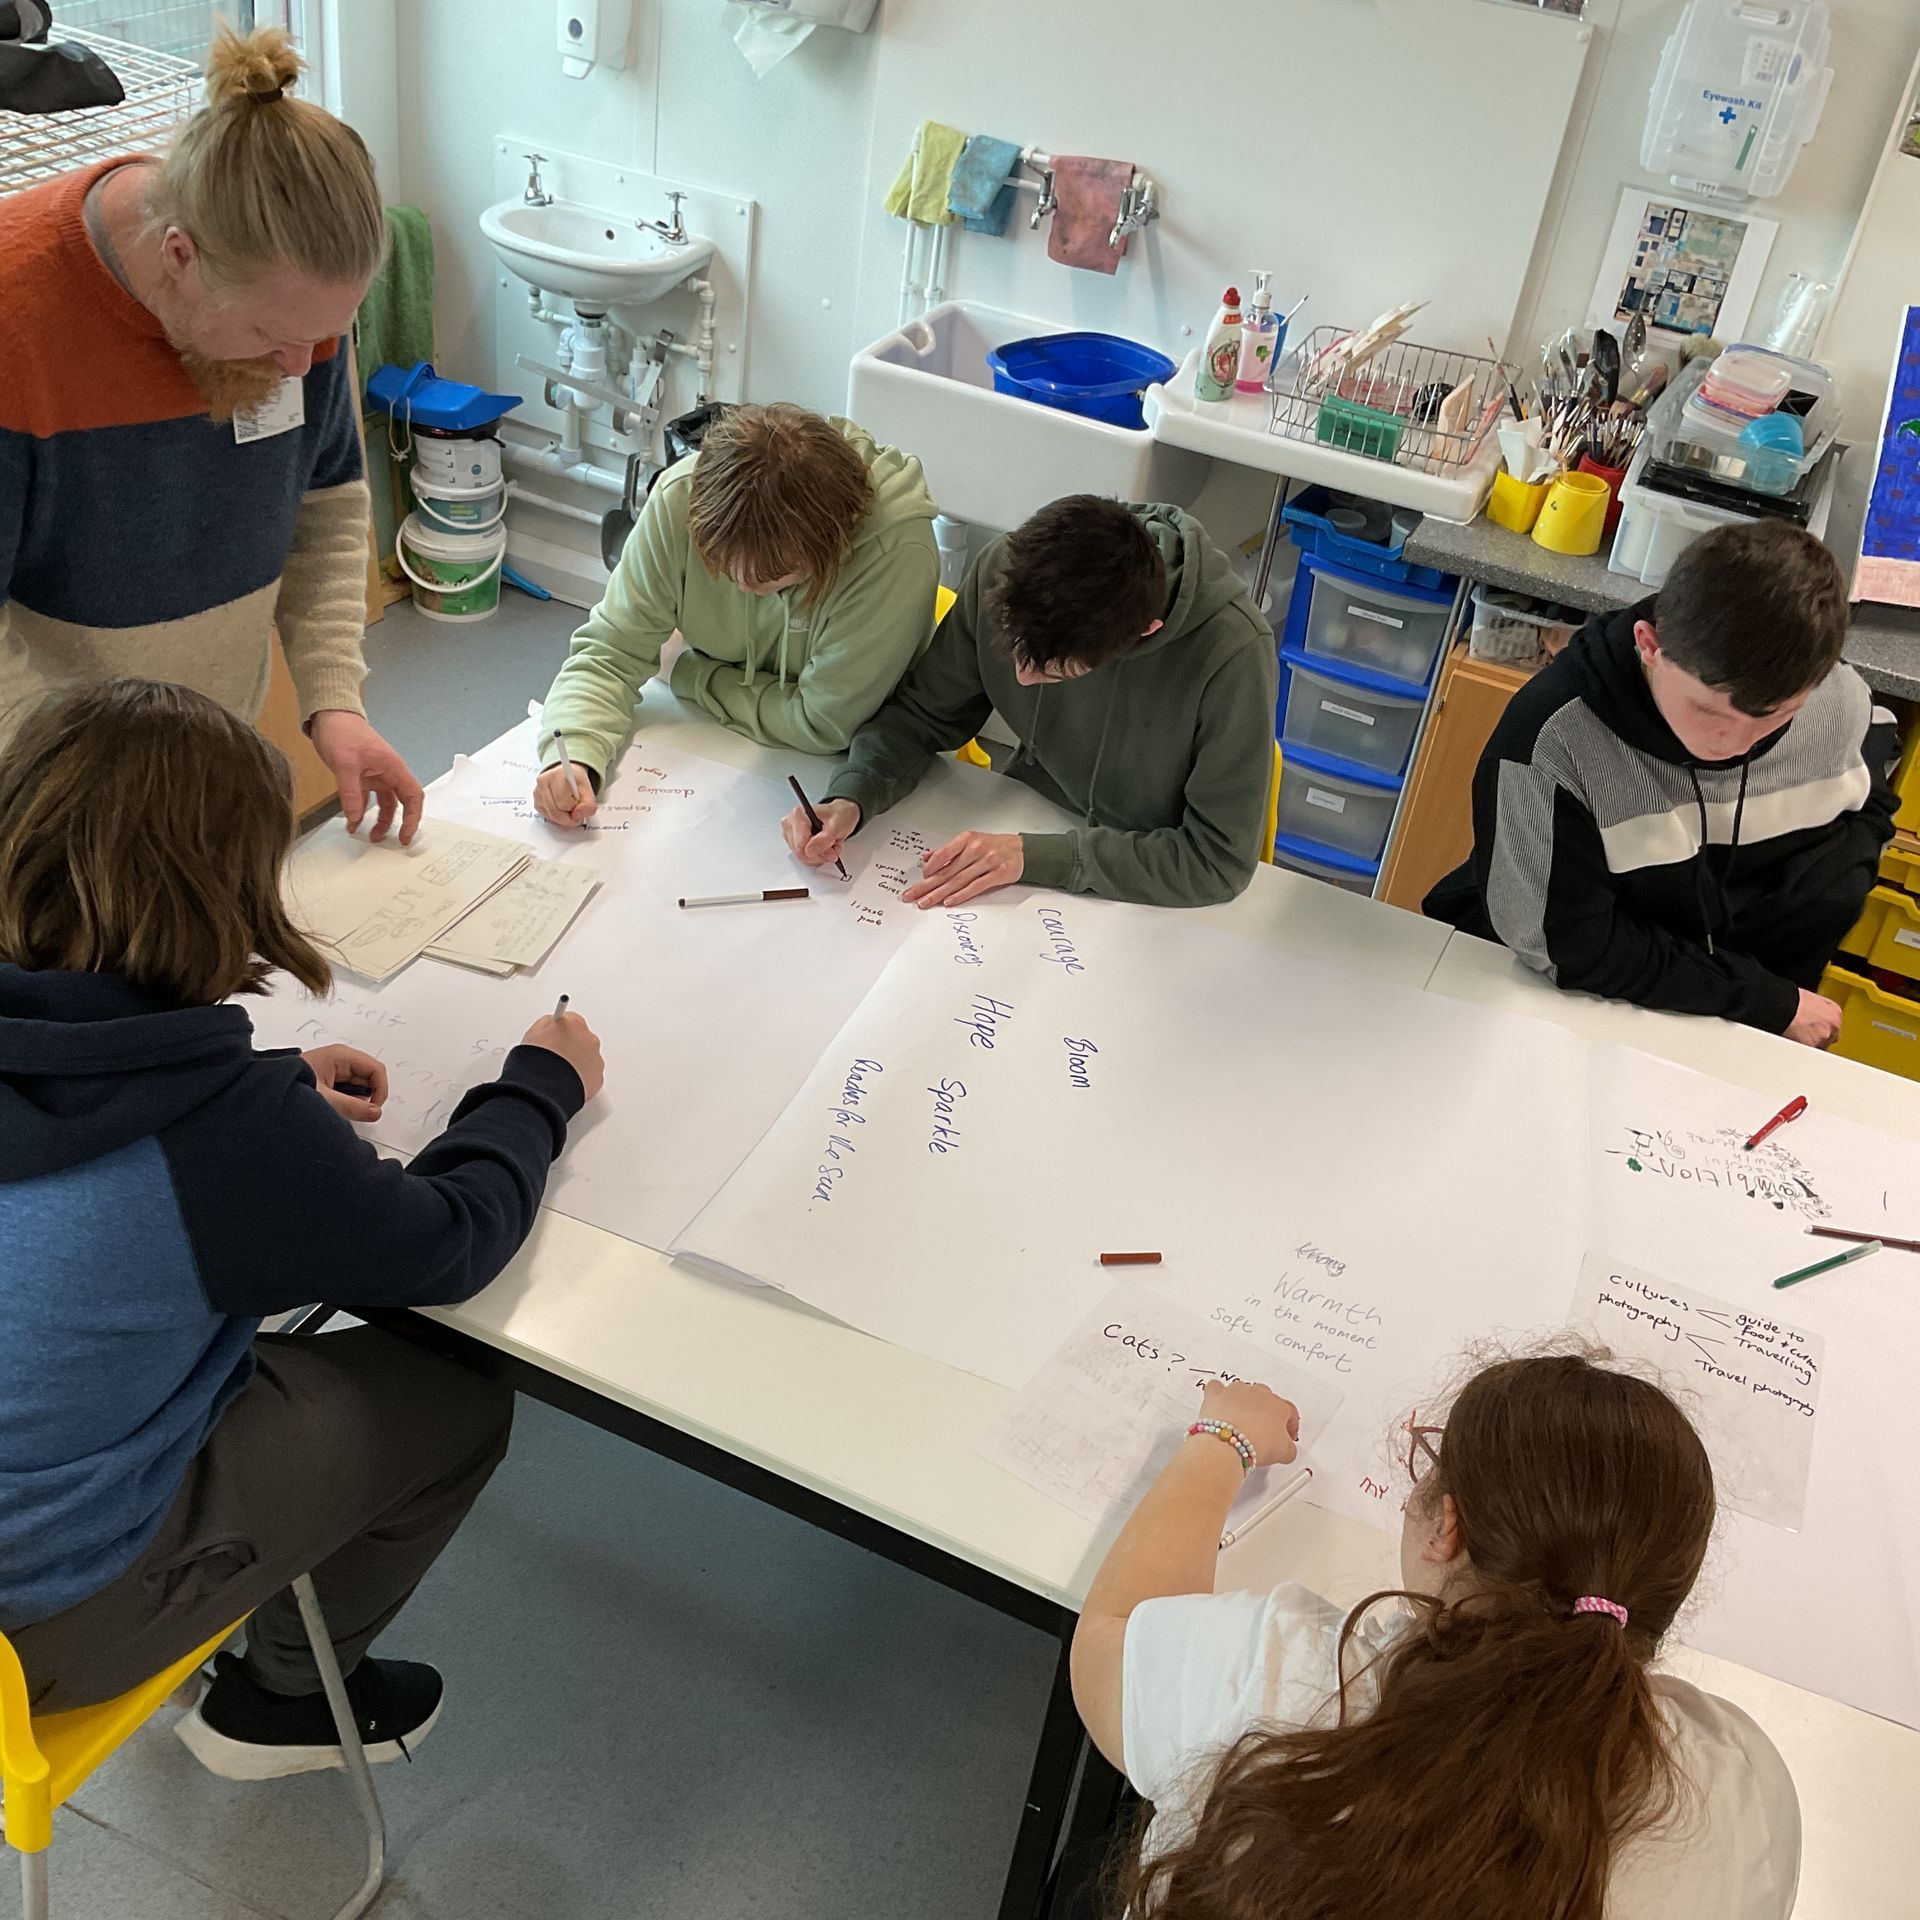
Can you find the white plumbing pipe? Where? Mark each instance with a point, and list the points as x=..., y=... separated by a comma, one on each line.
x=547, y=504
x=553, y=461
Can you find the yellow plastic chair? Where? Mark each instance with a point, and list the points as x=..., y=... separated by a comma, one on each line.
x=973, y=753
x=45, y=1762
x=1273, y=809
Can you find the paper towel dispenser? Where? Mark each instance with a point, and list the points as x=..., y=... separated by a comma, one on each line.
x=853, y=15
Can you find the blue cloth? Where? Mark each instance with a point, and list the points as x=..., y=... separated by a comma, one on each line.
x=979, y=194
x=162, y=1188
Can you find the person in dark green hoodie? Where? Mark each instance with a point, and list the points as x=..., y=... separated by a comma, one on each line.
x=781, y=579
x=1139, y=677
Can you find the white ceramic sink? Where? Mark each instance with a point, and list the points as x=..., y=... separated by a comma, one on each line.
x=592, y=258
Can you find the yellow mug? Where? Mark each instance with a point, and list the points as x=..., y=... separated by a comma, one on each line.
x=1514, y=504
x=1574, y=516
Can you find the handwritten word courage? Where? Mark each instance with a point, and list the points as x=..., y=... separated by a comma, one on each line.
x=1054, y=925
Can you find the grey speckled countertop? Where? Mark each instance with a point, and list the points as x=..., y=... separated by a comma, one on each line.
x=1884, y=646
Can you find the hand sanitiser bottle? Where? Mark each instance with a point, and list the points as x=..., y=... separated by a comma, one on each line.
x=1257, y=336
x=1220, y=362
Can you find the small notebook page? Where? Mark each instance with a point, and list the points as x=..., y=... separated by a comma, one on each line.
x=1096, y=1425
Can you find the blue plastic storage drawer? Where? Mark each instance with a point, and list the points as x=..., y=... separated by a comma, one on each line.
x=1344, y=807
x=1306, y=515
x=1348, y=716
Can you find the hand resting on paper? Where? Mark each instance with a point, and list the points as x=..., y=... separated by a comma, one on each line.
x=969, y=865
x=337, y=1065
x=575, y=1042
x=838, y=819
x=1817, y=1024
x=1271, y=1424
x=563, y=803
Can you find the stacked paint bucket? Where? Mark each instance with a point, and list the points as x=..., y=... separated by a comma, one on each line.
x=453, y=544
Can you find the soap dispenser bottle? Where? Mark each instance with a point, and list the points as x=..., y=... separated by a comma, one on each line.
x=1257, y=335
x=1220, y=358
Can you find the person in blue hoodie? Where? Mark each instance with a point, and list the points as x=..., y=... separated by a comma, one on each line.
x=165, y=1468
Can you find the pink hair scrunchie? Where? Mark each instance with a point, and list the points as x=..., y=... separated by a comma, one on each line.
x=1592, y=1603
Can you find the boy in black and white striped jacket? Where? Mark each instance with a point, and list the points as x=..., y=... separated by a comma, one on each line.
x=1686, y=808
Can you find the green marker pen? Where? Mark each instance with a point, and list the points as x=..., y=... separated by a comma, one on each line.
x=1827, y=1266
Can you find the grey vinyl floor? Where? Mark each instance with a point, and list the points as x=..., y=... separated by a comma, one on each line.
x=664, y=1699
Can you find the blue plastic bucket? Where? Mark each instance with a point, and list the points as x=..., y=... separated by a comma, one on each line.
x=1096, y=375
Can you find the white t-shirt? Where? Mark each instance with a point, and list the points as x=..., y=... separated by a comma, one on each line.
x=1202, y=1669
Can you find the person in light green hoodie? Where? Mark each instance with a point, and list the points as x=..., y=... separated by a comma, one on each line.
x=1139, y=677
x=782, y=580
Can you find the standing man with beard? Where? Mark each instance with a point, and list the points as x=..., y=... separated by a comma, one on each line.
x=180, y=469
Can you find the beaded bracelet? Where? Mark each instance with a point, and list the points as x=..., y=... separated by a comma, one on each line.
x=1234, y=1438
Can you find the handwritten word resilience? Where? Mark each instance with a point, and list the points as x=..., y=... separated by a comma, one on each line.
x=984, y=1020
x=970, y=954
x=1054, y=925
x=847, y=1115
x=946, y=1096
x=1079, y=1054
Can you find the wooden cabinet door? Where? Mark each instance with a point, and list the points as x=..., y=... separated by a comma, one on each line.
x=280, y=722
x=1436, y=825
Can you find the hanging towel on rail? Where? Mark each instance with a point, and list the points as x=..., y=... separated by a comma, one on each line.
x=980, y=197
x=394, y=327
x=1087, y=193
x=926, y=176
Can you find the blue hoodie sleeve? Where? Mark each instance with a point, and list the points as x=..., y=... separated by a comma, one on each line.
x=284, y=1204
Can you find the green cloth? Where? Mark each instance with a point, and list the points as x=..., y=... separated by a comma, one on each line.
x=395, y=323
x=1165, y=754
x=766, y=665
x=926, y=176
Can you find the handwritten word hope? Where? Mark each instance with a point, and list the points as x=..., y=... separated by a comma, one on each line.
x=984, y=1020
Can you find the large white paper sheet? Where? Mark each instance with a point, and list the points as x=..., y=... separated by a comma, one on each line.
x=709, y=1018
x=1353, y=1178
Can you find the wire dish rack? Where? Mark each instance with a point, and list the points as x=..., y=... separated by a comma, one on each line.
x=1419, y=407
x=160, y=89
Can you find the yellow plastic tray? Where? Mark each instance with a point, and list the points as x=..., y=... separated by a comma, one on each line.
x=1887, y=934
x=1877, y=1028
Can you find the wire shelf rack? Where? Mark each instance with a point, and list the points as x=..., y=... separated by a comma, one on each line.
x=161, y=90
x=1398, y=406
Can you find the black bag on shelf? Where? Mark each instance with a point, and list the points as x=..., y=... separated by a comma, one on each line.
x=37, y=78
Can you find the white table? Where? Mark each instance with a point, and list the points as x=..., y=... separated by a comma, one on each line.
x=1858, y=1776
x=756, y=1389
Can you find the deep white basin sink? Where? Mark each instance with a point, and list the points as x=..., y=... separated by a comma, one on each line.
x=593, y=258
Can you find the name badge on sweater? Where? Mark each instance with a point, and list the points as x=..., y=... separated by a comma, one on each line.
x=285, y=411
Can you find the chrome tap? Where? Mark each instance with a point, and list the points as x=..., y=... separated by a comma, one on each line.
x=675, y=235
x=1137, y=207
x=536, y=195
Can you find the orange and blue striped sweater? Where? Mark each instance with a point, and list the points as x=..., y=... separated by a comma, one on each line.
x=137, y=536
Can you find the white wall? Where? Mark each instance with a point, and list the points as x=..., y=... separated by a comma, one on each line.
x=1873, y=48
x=801, y=143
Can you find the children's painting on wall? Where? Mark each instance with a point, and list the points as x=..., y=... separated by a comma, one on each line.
x=1890, y=541
x=1691, y=272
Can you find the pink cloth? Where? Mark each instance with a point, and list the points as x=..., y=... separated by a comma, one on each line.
x=1088, y=193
